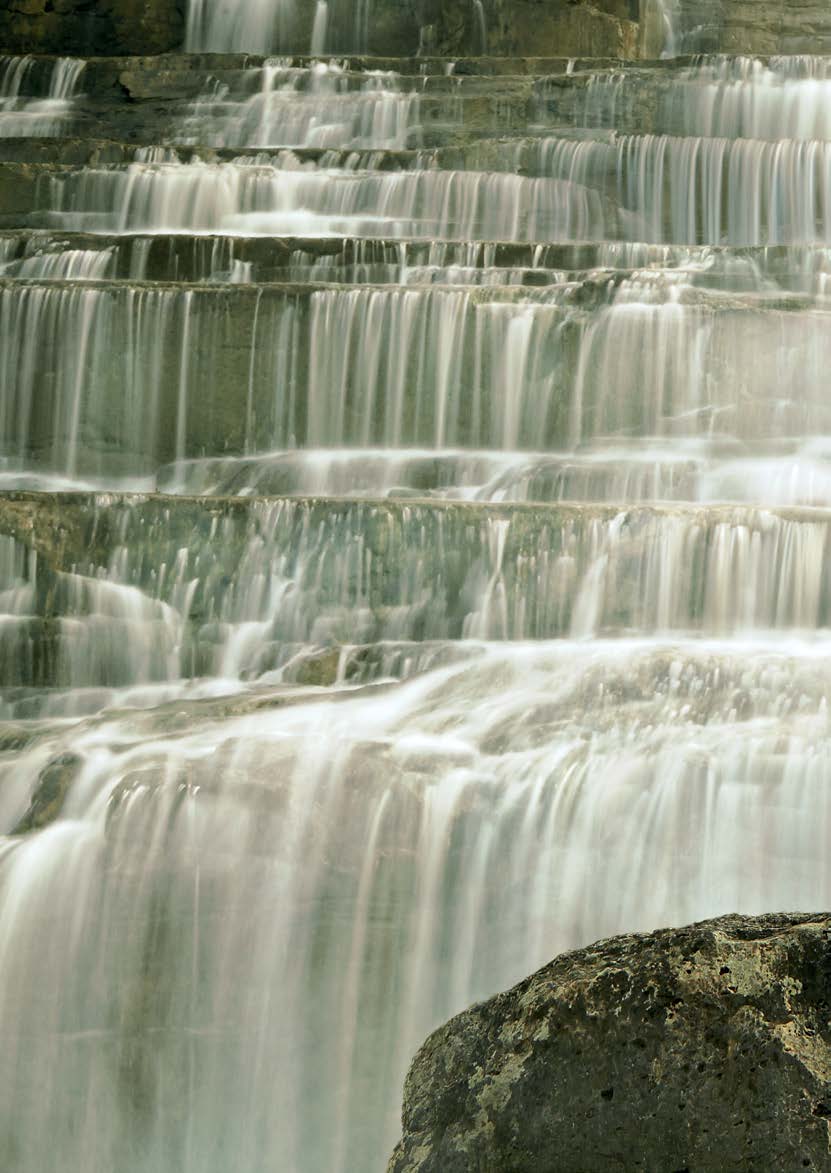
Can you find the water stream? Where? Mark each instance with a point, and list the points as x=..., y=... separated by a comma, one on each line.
x=415, y=547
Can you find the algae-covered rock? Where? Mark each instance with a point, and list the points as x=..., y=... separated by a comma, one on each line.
x=50, y=793
x=703, y=1048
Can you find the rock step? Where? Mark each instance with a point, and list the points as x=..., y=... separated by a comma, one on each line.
x=524, y=152
x=348, y=112
x=705, y=471
x=105, y=378
x=555, y=188
x=152, y=75
x=783, y=473
x=280, y=194
x=194, y=258
x=226, y=101
x=179, y=74
x=584, y=290
x=110, y=590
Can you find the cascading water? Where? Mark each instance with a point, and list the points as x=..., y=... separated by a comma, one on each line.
x=255, y=26
x=266, y=26
x=261, y=197
x=319, y=106
x=415, y=546
x=33, y=105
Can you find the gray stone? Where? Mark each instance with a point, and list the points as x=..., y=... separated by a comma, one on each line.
x=703, y=1048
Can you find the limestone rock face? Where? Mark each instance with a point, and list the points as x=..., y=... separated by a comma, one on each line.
x=703, y=1048
x=627, y=29
x=553, y=28
x=398, y=27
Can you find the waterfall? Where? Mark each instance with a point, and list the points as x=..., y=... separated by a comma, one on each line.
x=320, y=26
x=415, y=547
x=256, y=197
x=668, y=16
x=306, y=107
x=398, y=367
x=481, y=27
x=266, y=26
x=254, y=26
x=31, y=105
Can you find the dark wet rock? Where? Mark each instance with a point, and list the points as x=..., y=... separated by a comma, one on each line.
x=50, y=793
x=703, y=1048
x=103, y=27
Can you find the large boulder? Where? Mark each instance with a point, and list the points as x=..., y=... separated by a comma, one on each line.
x=703, y=1048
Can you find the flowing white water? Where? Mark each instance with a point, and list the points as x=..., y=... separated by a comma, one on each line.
x=255, y=197
x=717, y=97
x=266, y=26
x=28, y=107
x=255, y=26
x=320, y=26
x=705, y=190
x=678, y=27
x=294, y=573
x=319, y=106
x=750, y=99
x=396, y=367
x=268, y=901
x=655, y=188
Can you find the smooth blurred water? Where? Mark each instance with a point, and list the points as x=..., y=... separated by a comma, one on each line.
x=31, y=109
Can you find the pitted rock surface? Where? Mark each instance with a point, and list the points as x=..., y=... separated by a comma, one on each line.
x=702, y=1048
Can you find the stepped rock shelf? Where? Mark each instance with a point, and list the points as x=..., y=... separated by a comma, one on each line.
x=415, y=538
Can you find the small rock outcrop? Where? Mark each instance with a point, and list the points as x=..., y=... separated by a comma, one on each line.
x=49, y=795
x=703, y=1048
